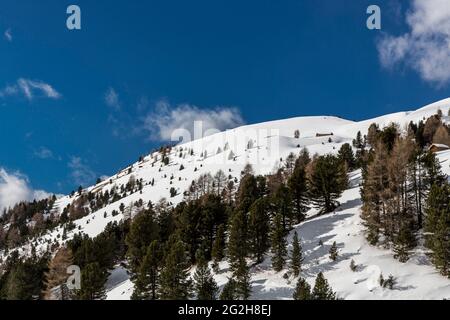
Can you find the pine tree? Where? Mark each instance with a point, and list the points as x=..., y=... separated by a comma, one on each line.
x=322, y=290
x=298, y=189
x=441, y=245
x=93, y=279
x=229, y=291
x=242, y=278
x=403, y=243
x=358, y=142
x=218, y=249
x=259, y=229
x=326, y=183
x=143, y=231
x=303, y=159
x=237, y=243
x=297, y=256
x=23, y=279
x=302, y=290
x=282, y=204
x=353, y=265
x=437, y=227
x=333, y=251
x=147, y=280
x=204, y=284
x=278, y=240
x=248, y=190
x=347, y=156
x=175, y=282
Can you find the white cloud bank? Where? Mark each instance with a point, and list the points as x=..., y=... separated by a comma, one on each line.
x=8, y=35
x=112, y=99
x=30, y=89
x=162, y=123
x=426, y=47
x=43, y=153
x=15, y=187
x=81, y=173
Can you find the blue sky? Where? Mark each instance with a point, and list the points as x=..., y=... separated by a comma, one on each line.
x=76, y=105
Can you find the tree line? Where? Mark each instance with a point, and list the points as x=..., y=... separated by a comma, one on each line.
x=404, y=192
x=216, y=223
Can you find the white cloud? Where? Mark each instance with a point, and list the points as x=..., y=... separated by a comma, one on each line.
x=112, y=99
x=162, y=123
x=43, y=153
x=30, y=89
x=81, y=173
x=8, y=35
x=426, y=47
x=15, y=187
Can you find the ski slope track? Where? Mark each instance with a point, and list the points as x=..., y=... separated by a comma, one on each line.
x=264, y=146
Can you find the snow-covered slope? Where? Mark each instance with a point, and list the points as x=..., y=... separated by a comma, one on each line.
x=265, y=146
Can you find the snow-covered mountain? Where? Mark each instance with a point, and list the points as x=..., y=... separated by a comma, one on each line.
x=265, y=146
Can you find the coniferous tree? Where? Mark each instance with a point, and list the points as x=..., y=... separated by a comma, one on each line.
x=326, y=182
x=441, y=245
x=282, y=204
x=297, y=256
x=437, y=227
x=218, y=249
x=93, y=279
x=23, y=279
x=400, y=213
x=188, y=227
x=259, y=229
x=302, y=290
x=333, y=251
x=174, y=281
x=298, y=188
x=57, y=274
x=373, y=134
x=347, y=156
x=242, y=278
x=353, y=265
x=375, y=181
x=229, y=291
x=247, y=192
x=418, y=183
x=404, y=242
x=433, y=174
x=237, y=243
x=143, y=231
x=279, y=251
x=204, y=284
x=441, y=136
x=303, y=159
x=322, y=290
x=358, y=141
x=147, y=280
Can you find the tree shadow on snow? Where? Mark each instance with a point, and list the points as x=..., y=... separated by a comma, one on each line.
x=349, y=204
x=259, y=292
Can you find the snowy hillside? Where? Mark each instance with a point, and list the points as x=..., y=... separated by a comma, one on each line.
x=265, y=146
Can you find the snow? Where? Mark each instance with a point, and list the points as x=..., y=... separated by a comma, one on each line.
x=265, y=146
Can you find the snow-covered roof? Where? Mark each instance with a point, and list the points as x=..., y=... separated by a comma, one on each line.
x=439, y=145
